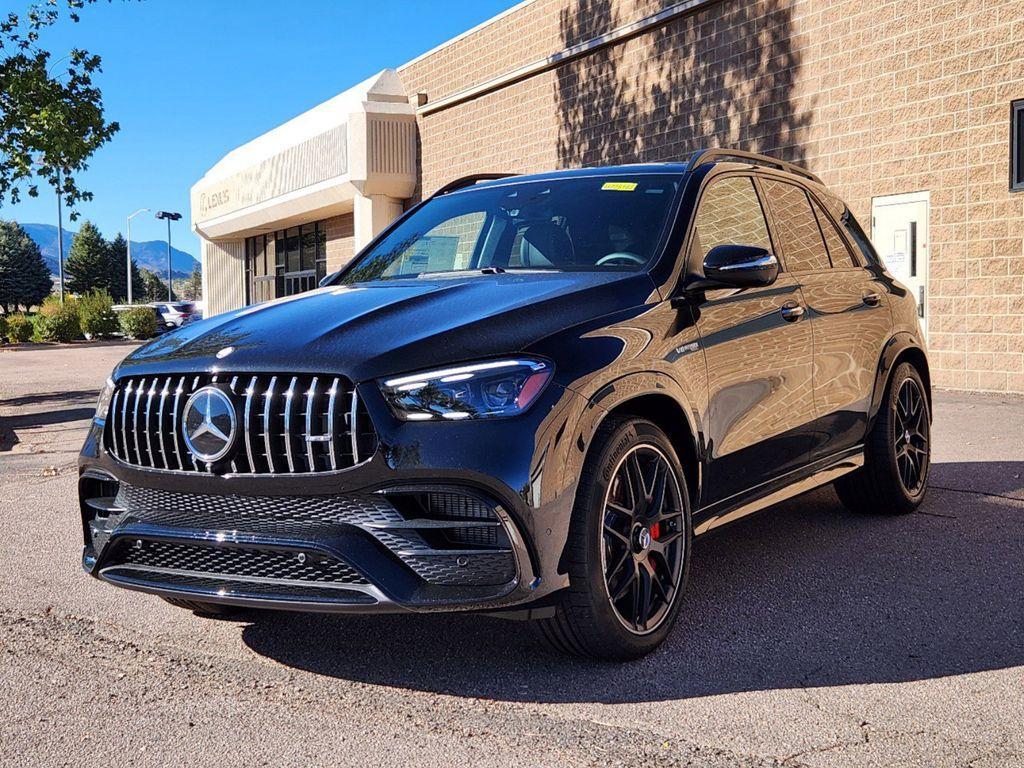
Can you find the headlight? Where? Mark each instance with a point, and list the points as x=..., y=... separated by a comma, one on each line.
x=479, y=390
x=104, y=402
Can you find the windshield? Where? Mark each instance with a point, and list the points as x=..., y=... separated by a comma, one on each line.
x=585, y=224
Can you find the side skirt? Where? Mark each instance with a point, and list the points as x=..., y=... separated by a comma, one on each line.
x=821, y=472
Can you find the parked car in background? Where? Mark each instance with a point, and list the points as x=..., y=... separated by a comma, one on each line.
x=526, y=397
x=174, y=314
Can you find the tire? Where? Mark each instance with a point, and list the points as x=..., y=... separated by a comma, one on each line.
x=885, y=485
x=588, y=621
x=203, y=609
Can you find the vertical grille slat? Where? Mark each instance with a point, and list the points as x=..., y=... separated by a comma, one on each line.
x=148, y=426
x=310, y=397
x=135, y=419
x=353, y=426
x=331, y=421
x=304, y=424
x=160, y=428
x=250, y=395
x=124, y=421
x=267, y=404
x=112, y=418
x=289, y=396
x=176, y=433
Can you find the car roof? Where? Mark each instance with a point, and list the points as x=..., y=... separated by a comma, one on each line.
x=638, y=169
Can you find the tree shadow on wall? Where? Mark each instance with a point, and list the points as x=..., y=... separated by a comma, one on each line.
x=724, y=76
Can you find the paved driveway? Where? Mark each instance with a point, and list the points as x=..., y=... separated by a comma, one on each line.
x=810, y=636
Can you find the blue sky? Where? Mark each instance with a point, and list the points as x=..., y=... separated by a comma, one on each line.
x=188, y=80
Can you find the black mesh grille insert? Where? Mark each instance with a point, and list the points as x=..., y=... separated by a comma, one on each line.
x=236, y=561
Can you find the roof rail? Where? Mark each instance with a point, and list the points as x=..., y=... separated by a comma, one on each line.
x=707, y=155
x=468, y=181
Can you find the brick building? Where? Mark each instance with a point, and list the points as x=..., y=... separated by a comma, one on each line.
x=911, y=110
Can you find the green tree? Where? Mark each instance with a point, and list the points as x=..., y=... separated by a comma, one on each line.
x=88, y=266
x=192, y=287
x=24, y=278
x=51, y=117
x=118, y=264
x=155, y=288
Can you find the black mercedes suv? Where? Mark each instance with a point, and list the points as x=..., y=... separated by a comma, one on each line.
x=525, y=397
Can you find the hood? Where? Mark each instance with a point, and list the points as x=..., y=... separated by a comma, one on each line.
x=374, y=329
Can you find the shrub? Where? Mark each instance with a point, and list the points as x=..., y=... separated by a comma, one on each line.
x=19, y=329
x=138, y=323
x=3, y=328
x=59, y=322
x=97, y=316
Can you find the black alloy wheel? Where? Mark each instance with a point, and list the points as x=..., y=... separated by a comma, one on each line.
x=911, y=438
x=643, y=547
x=897, y=451
x=628, y=550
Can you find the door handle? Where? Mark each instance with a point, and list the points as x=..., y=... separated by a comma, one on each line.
x=872, y=299
x=792, y=312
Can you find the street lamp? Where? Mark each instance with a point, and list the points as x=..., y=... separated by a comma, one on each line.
x=169, y=216
x=129, y=262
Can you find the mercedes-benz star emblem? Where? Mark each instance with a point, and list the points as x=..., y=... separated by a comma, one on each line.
x=209, y=424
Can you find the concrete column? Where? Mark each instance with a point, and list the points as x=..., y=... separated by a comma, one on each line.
x=372, y=213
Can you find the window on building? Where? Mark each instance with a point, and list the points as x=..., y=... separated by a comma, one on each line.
x=730, y=214
x=802, y=243
x=1017, y=146
x=285, y=262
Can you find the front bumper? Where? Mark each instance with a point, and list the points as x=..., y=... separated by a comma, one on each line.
x=427, y=524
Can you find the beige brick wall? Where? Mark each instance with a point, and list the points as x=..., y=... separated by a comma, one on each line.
x=340, y=241
x=878, y=97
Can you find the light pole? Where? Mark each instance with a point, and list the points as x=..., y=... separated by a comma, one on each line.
x=169, y=216
x=128, y=265
x=60, y=238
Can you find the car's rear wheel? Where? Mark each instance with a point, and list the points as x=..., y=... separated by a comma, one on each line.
x=897, y=451
x=628, y=551
x=201, y=608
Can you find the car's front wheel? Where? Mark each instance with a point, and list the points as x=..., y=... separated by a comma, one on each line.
x=897, y=451
x=628, y=551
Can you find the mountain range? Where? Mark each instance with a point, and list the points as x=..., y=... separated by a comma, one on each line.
x=150, y=254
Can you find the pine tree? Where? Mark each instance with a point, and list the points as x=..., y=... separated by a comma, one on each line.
x=192, y=287
x=118, y=263
x=155, y=289
x=88, y=266
x=24, y=277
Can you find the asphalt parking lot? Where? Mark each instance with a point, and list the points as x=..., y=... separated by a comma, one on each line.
x=810, y=636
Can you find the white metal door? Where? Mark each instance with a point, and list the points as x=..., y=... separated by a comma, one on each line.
x=899, y=230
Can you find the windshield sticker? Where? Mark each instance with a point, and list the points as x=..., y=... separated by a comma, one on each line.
x=619, y=186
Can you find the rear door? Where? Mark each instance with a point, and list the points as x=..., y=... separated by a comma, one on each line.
x=757, y=345
x=849, y=319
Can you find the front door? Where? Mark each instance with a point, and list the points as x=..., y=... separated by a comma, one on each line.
x=758, y=351
x=899, y=231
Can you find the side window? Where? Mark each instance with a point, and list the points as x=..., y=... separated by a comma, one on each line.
x=730, y=214
x=802, y=244
x=837, y=250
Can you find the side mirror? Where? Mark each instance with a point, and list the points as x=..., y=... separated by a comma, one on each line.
x=739, y=266
x=327, y=280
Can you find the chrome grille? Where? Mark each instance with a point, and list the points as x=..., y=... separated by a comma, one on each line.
x=289, y=423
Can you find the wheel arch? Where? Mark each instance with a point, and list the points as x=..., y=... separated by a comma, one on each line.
x=658, y=398
x=901, y=348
